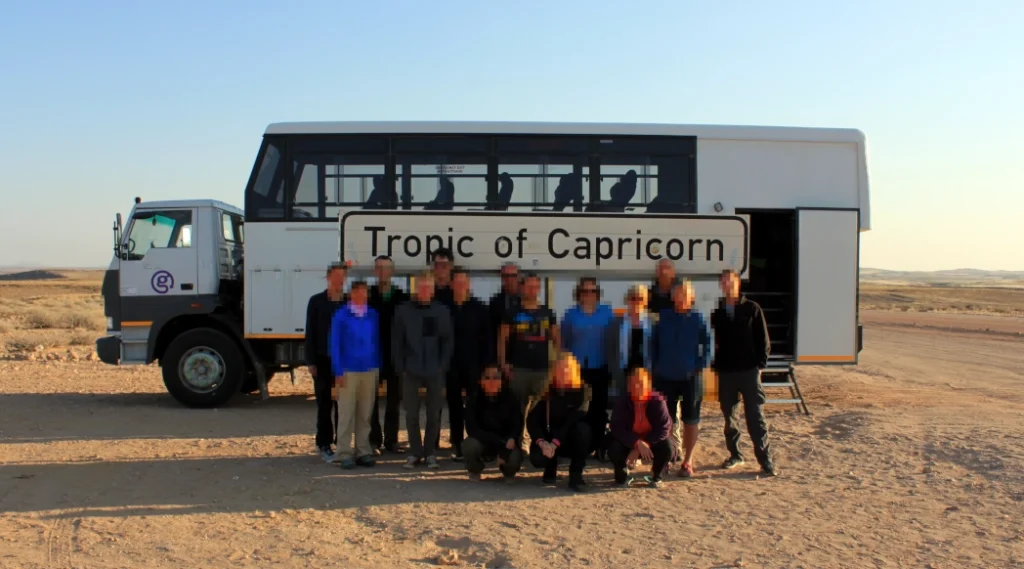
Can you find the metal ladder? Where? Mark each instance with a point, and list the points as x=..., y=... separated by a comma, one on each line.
x=780, y=374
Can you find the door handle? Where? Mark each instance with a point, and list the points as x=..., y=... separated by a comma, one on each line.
x=186, y=286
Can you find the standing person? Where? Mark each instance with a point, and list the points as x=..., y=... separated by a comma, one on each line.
x=422, y=343
x=558, y=426
x=682, y=346
x=507, y=298
x=641, y=425
x=742, y=346
x=355, y=359
x=444, y=261
x=528, y=332
x=385, y=298
x=494, y=425
x=629, y=340
x=319, y=311
x=583, y=335
x=473, y=347
x=661, y=289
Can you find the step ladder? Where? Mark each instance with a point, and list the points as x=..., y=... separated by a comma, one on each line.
x=780, y=374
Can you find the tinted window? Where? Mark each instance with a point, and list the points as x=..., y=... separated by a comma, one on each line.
x=231, y=226
x=326, y=183
x=158, y=230
x=266, y=197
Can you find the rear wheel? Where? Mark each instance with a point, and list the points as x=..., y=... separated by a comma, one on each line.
x=203, y=368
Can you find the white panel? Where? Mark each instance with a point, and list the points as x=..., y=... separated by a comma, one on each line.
x=615, y=244
x=302, y=285
x=778, y=175
x=827, y=265
x=265, y=302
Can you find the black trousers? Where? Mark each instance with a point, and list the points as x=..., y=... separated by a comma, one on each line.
x=618, y=453
x=457, y=380
x=478, y=454
x=599, y=379
x=326, y=405
x=388, y=436
x=731, y=386
x=576, y=446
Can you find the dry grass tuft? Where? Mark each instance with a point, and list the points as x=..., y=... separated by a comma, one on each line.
x=32, y=340
x=50, y=314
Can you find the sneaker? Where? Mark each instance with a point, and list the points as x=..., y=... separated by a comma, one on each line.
x=376, y=452
x=327, y=454
x=365, y=461
x=474, y=476
x=732, y=462
x=432, y=462
x=768, y=469
x=549, y=478
x=577, y=484
x=347, y=463
x=411, y=463
x=508, y=479
x=457, y=457
x=393, y=448
x=654, y=482
x=686, y=470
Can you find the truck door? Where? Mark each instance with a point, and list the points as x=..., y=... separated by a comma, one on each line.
x=159, y=274
x=828, y=244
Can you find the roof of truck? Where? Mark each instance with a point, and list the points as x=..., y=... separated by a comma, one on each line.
x=179, y=204
x=721, y=132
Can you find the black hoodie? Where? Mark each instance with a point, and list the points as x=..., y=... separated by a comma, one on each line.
x=553, y=417
x=741, y=341
x=474, y=336
x=494, y=420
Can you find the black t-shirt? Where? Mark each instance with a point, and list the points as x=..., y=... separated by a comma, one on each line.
x=529, y=336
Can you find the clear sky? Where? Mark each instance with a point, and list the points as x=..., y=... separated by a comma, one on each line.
x=101, y=101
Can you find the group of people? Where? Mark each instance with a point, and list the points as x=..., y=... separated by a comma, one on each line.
x=511, y=368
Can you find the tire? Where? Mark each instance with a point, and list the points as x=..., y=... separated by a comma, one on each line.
x=216, y=363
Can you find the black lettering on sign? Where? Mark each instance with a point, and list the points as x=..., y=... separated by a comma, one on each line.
x=721, y=249
x=668, y=249
x=373, y=238
x=693, y=243
x=462, y=240
x=551, y=243
x=503, y=243
x=391, y=244
x=650, y=251
x=412, y=240
x=605, y=249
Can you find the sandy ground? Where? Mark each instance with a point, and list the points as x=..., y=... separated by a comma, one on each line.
x=914, y=458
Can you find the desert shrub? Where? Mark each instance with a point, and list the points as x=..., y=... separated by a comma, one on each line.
x=63, y=319
x=29, y=340
x=81, y=338
x=42, y=320
x=6, y=327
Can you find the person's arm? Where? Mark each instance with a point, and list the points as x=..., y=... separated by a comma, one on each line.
x=612, y=353
x=704, y=337
x=762, y=342
x=655, y=339
x=398, y=341
x=556, y=333
x=375, y=337
x=621, y=425
x=566, y=341
x=661, y=423
x=503, y=334
x=334, y=341
x=311, y=334
x=447, y=337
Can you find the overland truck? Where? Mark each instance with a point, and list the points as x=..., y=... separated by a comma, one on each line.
x=224, y=314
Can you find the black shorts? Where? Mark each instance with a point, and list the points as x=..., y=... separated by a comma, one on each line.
x=689, y=392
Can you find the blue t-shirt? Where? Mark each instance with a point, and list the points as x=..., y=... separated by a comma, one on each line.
x=583, y=334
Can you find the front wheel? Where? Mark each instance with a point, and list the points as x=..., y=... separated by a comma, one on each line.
x=203, y=368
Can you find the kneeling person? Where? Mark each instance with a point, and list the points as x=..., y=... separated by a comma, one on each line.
x=557, y=426
x=494, y=423
x=640, y=430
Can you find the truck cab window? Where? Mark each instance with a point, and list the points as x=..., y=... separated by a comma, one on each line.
x=157, y=230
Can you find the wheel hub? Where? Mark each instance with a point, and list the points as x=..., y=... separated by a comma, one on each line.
x=202, y=369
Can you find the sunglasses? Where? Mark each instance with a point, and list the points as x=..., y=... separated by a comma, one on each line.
x=588, y=291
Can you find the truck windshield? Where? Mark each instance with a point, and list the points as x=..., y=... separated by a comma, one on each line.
x=158, y=230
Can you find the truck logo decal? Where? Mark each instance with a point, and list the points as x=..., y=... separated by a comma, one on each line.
x=162, y=282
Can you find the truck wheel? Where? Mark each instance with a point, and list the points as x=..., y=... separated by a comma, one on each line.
x=202, y=368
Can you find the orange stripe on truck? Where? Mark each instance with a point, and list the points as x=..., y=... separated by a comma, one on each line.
x=825, y=359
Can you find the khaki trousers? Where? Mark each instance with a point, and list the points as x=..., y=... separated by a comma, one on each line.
x=355, y=407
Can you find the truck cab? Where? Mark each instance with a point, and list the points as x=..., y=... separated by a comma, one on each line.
x=172, y=294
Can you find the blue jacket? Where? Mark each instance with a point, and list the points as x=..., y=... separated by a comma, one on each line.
x=682, y=344
x=583, y=335
x=354, y=342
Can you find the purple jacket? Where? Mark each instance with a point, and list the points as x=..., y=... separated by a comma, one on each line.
x=657, y=415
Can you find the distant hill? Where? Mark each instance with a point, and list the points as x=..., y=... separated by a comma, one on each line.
x=37, y=275
x=952, y=277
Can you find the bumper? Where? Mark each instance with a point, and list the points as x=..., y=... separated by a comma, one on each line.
x=108, y=348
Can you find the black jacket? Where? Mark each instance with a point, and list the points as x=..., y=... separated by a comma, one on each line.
x=474, y=343
x=552, y=417
x=319, y=311
x=494, y=420
x=445, y=295
x=386, y=314
x=741, y=342
x=658, y=300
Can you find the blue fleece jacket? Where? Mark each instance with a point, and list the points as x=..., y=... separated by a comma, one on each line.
x=682, y=344
x=583, y=334
x=354, y=343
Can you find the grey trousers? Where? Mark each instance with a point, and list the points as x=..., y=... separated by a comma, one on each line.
x=423, y=445
x=528, y=384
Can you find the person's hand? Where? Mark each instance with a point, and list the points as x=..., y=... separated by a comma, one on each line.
x=339, y=381
x=511, y=444
x=549, y=450
x=312, y=371
x=644, y=450
x=634, y=455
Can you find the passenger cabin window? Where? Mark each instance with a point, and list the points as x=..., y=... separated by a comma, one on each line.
x=231, y=226
x=327, y=174
x=157, y=230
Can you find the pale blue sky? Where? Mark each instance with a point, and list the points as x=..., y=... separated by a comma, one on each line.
x=102, y=101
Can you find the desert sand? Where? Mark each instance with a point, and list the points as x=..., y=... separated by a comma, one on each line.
x=913, y=458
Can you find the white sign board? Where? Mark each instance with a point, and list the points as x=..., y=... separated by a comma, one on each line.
x=550, y=242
